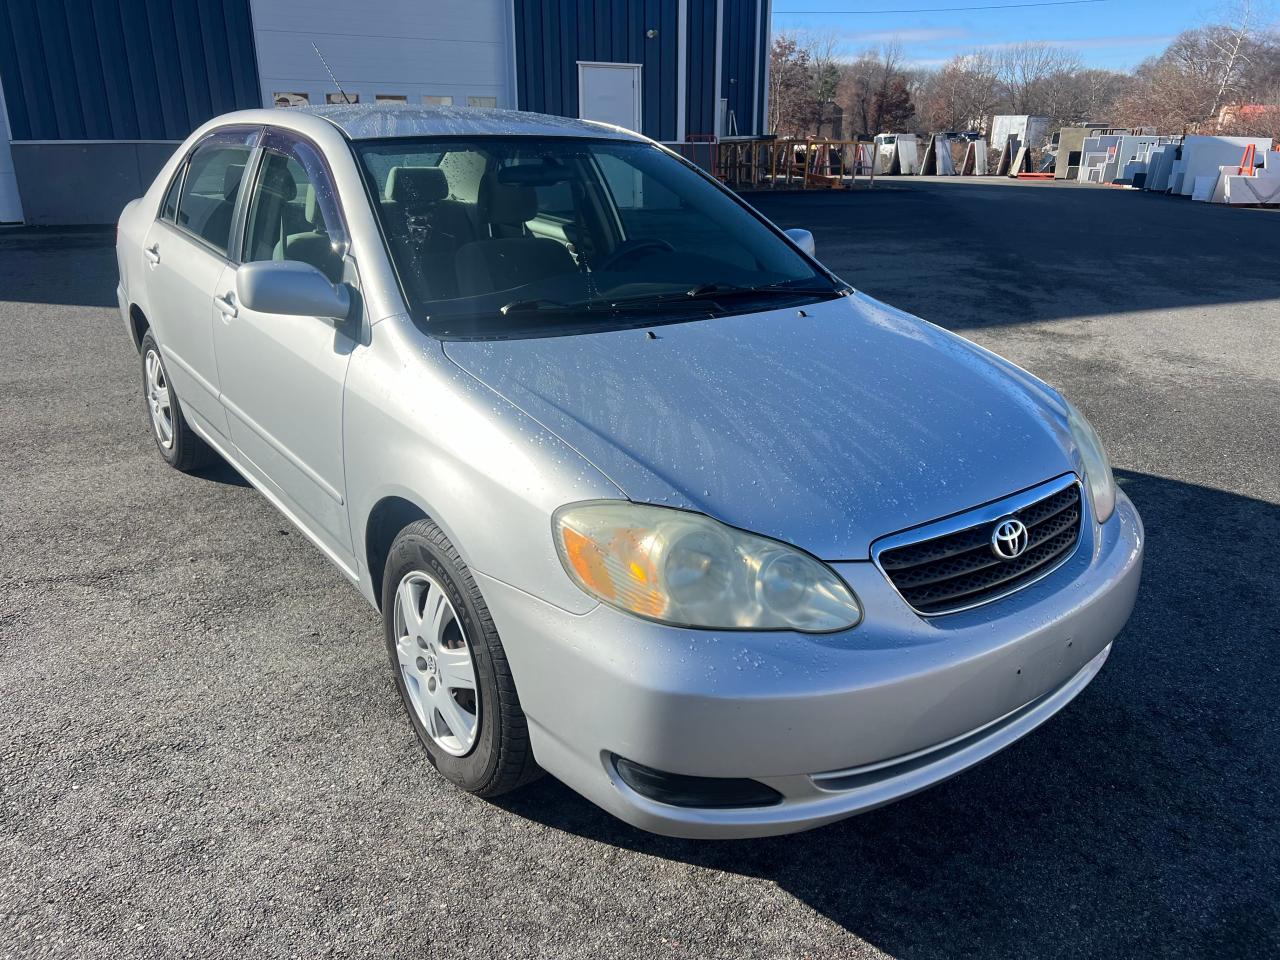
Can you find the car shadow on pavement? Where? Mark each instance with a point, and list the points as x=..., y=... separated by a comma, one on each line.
x=1139, y=822
x=222, y=472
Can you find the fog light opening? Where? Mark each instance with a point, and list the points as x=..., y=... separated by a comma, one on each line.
x=678, y=790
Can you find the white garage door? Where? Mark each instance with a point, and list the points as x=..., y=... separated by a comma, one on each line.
x=610, y=92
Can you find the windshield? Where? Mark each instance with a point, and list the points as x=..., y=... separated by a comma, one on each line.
x=530, y=236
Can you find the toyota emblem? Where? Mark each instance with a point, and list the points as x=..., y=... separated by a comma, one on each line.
x=1009, y=538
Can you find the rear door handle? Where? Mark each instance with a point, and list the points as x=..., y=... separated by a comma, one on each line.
x=152, y=253
x=227, y=304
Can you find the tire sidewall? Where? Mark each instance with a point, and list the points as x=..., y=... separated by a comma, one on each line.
x=413, y=551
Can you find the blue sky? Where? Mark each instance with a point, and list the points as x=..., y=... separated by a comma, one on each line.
x=1116, y=34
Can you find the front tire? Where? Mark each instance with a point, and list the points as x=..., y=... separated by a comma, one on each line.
x=176, y=441
x=450, y=668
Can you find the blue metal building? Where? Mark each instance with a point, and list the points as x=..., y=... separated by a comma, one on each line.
x=94, y=94
x=701, y=64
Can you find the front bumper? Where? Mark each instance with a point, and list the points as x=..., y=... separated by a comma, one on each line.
x=838, y=724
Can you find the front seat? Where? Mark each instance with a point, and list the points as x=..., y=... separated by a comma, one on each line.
x=312, y=244
x=512, y=257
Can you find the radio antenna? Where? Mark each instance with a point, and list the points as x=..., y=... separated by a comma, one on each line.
x=330, y=72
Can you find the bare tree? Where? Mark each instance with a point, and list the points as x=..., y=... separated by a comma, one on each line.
x=1204, y=74
x=824, y=74
x=1031, y=76
x=790, y=108
x=962, y=95
x=874, y=91
x=1229, y=49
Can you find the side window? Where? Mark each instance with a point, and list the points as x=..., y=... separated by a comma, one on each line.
x=293, y=212
x=169, y=209
x=207, y=200
x=632, y=189
x=648, y=193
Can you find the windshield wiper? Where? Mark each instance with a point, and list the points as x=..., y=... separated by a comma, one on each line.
x=537, y=303
x=720, y=291
x=706, y=289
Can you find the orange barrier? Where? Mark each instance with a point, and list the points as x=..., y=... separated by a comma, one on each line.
x=1249, y=161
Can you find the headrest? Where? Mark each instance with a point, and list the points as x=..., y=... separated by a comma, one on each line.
x=416, y=185
x=309, y=210
x=506, y=203
x=231, y=180
x=276, y=178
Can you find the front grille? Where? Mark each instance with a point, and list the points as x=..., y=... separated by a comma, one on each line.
x=960, y=569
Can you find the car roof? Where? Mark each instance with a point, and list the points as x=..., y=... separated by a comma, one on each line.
x=366, y=121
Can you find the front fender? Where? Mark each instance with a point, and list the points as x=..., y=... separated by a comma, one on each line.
x=417, y=427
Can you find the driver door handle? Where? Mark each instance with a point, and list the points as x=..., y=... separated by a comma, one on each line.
x=227, y=304
x=152, y=253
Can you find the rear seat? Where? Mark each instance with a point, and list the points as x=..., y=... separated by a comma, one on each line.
x=427, y=227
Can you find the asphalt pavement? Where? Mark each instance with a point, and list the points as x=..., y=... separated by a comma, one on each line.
x=202, y=753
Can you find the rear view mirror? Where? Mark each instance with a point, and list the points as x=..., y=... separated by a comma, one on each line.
x=802, y=239
x=546, y=173
x=291, y=287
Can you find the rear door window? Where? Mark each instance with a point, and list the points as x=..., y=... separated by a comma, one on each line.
x=215, y=173
x=169, y=209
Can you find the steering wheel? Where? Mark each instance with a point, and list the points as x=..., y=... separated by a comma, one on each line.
x=631, y=248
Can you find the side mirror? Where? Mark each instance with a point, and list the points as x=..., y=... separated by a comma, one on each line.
x=291, y=287
x=802, y=239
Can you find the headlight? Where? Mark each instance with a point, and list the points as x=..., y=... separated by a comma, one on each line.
x=1097, y=468
x=691, y=571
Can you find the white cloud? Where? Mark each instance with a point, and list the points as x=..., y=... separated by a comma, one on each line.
x=1087, y=43
x=921, y=35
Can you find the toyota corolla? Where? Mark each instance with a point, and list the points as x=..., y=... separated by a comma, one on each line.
x=647, y=497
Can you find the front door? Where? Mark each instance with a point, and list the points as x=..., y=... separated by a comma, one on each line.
x=186, y=252
x=610, y=93
x=282, y=376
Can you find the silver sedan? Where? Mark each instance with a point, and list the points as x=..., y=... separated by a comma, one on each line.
x=647, y=498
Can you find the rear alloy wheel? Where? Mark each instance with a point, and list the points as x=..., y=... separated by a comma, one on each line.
x=158, y=402
x=174, y=438
x=450, y=667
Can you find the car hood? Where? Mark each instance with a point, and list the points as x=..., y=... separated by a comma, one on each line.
x=826, y=427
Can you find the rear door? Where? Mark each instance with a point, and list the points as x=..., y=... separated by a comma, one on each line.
x=186, y=251
x=282, y=376
x=610, y=93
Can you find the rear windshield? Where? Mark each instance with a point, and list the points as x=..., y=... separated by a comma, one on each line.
x=526, y=236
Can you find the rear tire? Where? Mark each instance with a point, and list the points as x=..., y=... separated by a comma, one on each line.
x=450, y=668
x=181, y=448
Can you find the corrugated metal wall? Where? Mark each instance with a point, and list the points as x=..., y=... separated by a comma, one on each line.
x=553, y=35
x=124, y=69
x=700, y=92
x=739, y=78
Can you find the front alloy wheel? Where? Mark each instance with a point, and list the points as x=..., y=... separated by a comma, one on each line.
x=435, y=661
x=450, y=667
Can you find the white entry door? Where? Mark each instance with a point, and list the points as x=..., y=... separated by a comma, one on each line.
x=610, y=92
